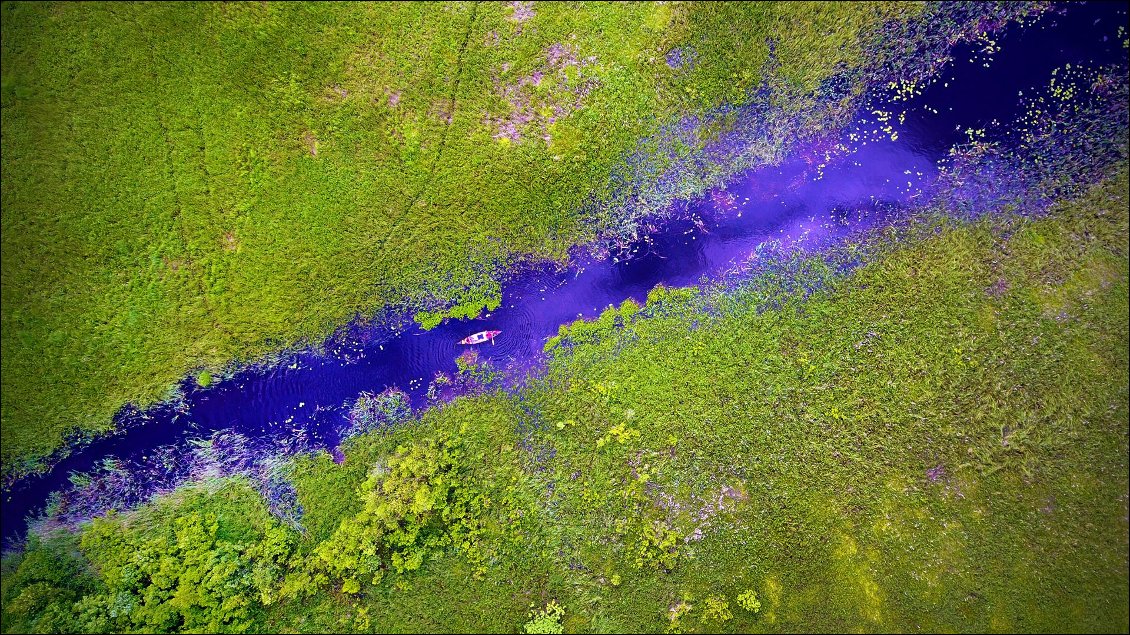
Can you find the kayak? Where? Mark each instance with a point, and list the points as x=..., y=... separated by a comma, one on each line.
x=480, y=337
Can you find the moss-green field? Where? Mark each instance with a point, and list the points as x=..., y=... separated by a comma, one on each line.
x=191, y=185
x=924, y=427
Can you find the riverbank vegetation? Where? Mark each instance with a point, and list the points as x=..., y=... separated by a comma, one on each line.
x=936, y=440
x=190, y=186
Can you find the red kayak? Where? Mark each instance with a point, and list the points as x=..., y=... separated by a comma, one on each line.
x=480, y=337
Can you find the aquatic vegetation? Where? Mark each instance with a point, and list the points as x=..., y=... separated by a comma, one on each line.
x=114, y=484
x=738, y=119
x=475, y=375
x=582, y=331
x=470, y=304
x=439, y=381
x=1051, y=161
x=374, y=412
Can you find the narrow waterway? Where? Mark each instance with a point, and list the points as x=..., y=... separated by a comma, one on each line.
x=878, y=169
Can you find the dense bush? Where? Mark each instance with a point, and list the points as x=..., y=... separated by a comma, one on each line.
x=199, y=562
x=416, y=505
x=42, y=584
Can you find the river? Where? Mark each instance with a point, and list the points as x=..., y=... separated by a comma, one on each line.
x=300, y=404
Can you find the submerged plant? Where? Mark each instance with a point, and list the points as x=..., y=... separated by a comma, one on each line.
x=204, y=379
x=373, y=412
x=475, y=374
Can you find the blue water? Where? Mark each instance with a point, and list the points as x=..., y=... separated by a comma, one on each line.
x=299, y=404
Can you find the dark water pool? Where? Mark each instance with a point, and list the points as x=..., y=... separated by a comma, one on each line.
x=300, y=404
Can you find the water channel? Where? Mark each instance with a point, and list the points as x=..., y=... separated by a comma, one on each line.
x=301, y=403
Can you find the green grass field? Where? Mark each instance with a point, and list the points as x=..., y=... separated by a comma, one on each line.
x=192, y=185
x=936, y=441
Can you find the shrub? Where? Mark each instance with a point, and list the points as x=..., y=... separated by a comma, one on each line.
x=748, y=601
x=676, y=613
x=657, y=547
x=717, y=608
x=546, y=620
x=185, y=576
x=417, y=504
x=43, y=585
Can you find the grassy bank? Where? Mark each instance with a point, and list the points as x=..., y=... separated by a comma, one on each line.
x=936, y=441
x=190, y=185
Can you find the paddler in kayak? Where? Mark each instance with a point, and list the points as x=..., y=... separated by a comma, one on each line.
x=480, y=337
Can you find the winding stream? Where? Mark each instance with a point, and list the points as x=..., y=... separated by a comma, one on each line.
x=300, y=404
